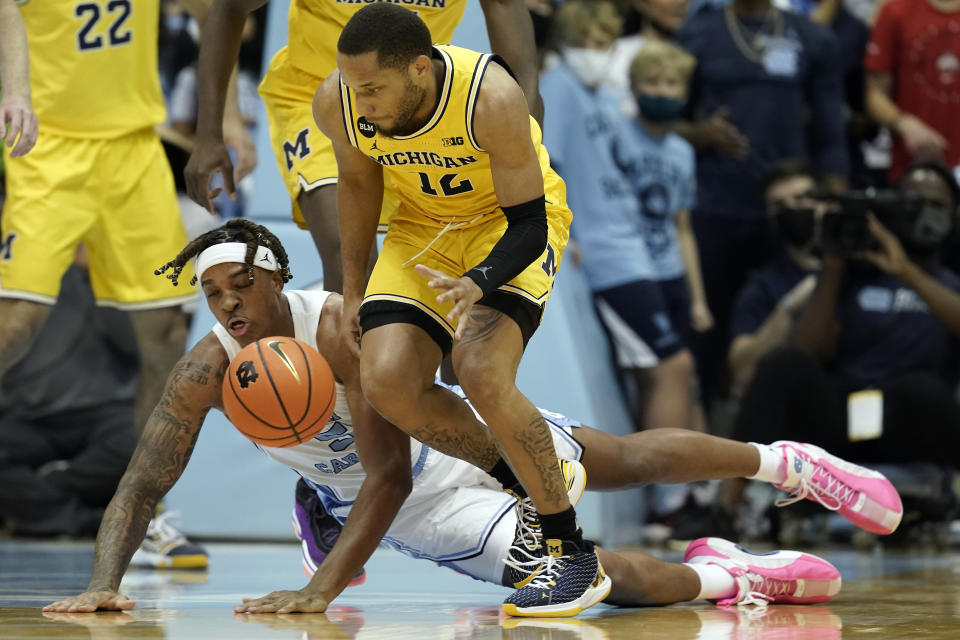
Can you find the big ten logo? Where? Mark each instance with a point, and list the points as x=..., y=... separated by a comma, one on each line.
x=456, y=141
x=6, y=247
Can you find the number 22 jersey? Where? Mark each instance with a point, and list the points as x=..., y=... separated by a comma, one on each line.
x=93, y=66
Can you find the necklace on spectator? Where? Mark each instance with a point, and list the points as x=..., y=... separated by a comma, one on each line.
x=752, y=45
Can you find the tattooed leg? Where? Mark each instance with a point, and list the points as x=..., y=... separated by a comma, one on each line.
x=486, y=360
x=398, y=362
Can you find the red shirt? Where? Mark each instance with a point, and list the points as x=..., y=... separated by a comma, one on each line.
x=919, y=46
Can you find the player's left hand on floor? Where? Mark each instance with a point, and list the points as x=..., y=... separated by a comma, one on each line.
x=462, y=292
x=284, y=602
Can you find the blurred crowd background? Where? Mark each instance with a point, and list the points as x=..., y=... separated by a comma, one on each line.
x=765, y=210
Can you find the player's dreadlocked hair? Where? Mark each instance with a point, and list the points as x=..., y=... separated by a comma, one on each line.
x=235, y=230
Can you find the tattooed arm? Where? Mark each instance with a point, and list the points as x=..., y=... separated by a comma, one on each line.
x=162, y=453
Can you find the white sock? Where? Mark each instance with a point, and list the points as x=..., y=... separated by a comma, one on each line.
x=716, y=583
x=772, y=465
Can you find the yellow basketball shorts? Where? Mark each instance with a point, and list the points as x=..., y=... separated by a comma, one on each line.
x=304, y=155
x=114, y=195
x=397, y=293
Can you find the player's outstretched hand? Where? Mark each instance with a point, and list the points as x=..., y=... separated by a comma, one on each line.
x=92, y=601
x=303, y=601
x=209, y=156
x=462, y=292
x=17, y=117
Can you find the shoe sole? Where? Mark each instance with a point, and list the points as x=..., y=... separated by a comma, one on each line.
x=591, y=596
x=151, y=560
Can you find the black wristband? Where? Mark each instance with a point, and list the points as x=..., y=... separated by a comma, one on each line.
x=522, y=243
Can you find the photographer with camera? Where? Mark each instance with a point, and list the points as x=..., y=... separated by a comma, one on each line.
x=767, y=307
x=871, y=367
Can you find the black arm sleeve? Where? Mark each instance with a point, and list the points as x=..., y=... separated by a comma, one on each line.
x=522, y=243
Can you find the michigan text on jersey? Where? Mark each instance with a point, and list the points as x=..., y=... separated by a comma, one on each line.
x=425, y=158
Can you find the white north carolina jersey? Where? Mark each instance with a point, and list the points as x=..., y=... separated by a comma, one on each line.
x=456, y=515
x=330, y=459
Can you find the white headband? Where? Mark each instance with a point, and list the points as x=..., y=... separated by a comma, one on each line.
x=234, y=252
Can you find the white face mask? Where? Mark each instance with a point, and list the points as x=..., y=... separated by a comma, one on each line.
x=589, y=65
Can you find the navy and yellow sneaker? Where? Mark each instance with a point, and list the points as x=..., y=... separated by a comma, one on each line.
x=570, y=580
x=165, y=547
x=525, y=556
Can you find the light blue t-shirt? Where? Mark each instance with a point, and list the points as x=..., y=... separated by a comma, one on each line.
x=661, y=172
x=579, y=131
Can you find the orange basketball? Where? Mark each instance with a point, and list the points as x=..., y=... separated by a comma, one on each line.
x=279, y=392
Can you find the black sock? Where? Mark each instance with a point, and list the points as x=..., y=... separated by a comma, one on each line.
x=561, y=526
x=503, y=474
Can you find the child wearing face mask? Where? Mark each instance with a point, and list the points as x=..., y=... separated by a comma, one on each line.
x=582, y=128
x=661, y=168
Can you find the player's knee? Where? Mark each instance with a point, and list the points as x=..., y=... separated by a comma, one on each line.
x=20, y=324
x=161, y=333
x=388, y=385
x=483, y=383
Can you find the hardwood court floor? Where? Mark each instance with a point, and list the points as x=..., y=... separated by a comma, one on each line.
x=885, y=595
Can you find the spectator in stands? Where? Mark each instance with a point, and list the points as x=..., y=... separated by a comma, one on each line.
x=913, y=79
x=766, y=87
x=660, y=167
x=66, y=417
x=645, y=20
x=872, y=366
x=767, y=307
x=581, y=129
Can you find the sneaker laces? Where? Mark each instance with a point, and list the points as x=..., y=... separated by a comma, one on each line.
x=528, y=566
x=760, y=590
x=823, y=487
x=528, y=525
x=552, y=567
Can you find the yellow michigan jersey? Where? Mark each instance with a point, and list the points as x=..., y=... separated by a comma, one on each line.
x=440, y=173
x=315, y=27
x=93, y=66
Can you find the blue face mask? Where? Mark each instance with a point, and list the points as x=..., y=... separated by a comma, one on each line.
x=660, y=109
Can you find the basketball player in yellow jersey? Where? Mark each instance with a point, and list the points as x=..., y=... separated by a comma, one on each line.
x=304, y=155
x=483, y=221
x=16, y=114
x=98, y=176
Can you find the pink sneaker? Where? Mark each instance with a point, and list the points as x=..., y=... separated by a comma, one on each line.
x=864, y=497
x=785, y=577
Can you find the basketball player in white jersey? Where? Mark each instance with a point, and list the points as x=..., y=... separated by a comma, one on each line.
x=411, y=497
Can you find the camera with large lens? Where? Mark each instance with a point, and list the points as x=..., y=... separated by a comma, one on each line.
x=844, y=230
